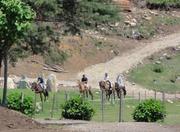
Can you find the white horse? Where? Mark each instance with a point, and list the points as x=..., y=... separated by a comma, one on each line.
x=51, y=83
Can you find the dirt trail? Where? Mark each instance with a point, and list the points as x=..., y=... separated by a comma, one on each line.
x=128, y=60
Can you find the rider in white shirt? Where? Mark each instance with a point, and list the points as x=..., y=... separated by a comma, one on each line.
x=120, y=80
x=106, y=78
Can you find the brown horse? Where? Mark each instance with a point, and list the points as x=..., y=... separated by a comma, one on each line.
x=39, y=90
x=119, y=89
x=108, y=88
x=84, y=89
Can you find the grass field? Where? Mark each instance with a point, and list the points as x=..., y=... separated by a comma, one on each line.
x=164, y=80
x=111, y=111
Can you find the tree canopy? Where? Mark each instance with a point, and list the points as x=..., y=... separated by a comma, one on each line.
x=15, y=19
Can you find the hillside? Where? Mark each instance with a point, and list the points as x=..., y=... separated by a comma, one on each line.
x=134, y=30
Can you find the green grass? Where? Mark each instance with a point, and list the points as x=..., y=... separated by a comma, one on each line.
x=145, y=76
x=111, y=111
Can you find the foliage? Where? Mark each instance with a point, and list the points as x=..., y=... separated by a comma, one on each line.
x=15, y=19
x=76, y=108
x=149, y=111
x=163, y=3
x=89, y=13
x=158, y=68
x=23, y=104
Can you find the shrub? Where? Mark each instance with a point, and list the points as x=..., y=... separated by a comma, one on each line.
x=149, y=111
x=158, y=68
x=77, y=108
x=24, y=105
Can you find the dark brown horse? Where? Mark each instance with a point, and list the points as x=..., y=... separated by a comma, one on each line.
x=108, y=88
x=84, y=89
x=119, y=89
x=39, y=90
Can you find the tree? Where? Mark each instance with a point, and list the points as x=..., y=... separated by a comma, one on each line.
x=15, y=19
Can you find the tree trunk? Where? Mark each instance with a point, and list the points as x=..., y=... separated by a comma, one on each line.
x=4, y=100
x=1, y=66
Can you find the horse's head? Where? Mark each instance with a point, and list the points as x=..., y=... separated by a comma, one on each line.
x=33, y=86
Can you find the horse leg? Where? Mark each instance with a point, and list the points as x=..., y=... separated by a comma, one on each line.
x=114, y=94
x=90, y=93
x=41, y=97
x=86, y=93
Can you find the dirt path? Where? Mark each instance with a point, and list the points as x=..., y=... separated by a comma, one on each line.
x=128, y=60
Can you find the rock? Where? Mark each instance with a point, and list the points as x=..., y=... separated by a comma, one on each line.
x=170, y=101
x=165, y=54
x=130, y=23
x=153, y=13
x=10, y=83
x=116, y=24
x=161, y=58
x=158, y=62
x=136, y=34
x=141, y=3
x=133, y=84
x=147, y=18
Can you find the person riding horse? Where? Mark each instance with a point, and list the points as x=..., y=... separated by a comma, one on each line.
x=84, y=80
x=120, y=85
x=41, y=82
x=106, y=80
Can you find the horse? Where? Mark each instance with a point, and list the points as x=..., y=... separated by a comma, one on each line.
x=119, y=89
x=84, y=89
x=119, y=86
x=39, y=90
x=51, y=83
x=108, y=88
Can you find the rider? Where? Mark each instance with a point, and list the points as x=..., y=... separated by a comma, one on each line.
x=120, y=81
x=41, y=81
x=106, y=79
x=84, y=80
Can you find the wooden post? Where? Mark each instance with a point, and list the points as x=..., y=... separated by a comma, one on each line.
x=155, y=94
x=139, y=97
x=102, y=106
x=66, y=96
x=35, y=100
x=163, y=97
x=52, y=110
x=120, y=107
x=42, y=105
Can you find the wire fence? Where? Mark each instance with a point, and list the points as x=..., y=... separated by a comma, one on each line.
x=117, y=110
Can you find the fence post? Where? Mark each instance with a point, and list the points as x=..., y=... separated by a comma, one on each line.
x=139, y=97
x=66, y=96
x=52, y=110
x=175, y=96
x=155, y=94
x=102, y=106
x=163, y=97
x=120, y=107
x=35, y=100
x=145, y=94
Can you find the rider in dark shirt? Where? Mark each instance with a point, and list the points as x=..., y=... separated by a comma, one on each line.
x=40, y=81
x=84, y=79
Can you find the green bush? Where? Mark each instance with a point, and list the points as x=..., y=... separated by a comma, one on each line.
x=158, y=68
x=78, y=109
x=149, y=111
x=24, y=105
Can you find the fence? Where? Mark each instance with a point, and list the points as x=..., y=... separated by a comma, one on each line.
x=117, y=110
